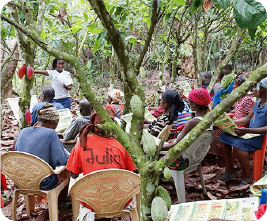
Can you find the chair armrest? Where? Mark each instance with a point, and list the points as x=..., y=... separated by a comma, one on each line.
x=59, y=169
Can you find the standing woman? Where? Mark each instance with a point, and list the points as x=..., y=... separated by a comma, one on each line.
x=172, y=103
x=61, y=82
x=257, y=120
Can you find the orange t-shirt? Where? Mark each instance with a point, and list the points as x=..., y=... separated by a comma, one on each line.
x=100, y=153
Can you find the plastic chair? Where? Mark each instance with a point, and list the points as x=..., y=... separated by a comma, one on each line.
x=107, y=192
x=258, y=160
x=27, y=171
x=196, y=152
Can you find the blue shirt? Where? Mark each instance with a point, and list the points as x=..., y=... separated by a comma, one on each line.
x=44, y=143
x=36, y=107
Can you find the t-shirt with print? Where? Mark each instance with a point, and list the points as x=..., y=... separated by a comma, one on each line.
x=57, y=85
x=100, y=153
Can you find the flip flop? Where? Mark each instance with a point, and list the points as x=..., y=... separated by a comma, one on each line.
x=226, y=177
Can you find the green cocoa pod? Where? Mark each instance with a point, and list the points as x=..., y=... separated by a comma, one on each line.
x=164, y=194
x=160, y=83
x=167, y=174
x=149, y=144
x=136, y=106
x=159, y=210
x=142, y=72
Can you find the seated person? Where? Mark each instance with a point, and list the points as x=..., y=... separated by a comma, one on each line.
x=114, y=100
x=48, y=97
x=72, y=131
x=243, y=106
x=97, y=151
x=241, y=147
x=227, y=87
x=199, y=100
x=227, y=69
x=42, y=141
x=172, y=103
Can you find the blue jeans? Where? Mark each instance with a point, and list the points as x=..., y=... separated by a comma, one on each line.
x=66, y=102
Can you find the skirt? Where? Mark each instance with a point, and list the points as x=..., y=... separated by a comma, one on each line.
x=251, y=144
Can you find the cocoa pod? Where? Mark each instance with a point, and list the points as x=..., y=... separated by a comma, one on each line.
x=21, y=71
x=29, y=72
x=28, y=116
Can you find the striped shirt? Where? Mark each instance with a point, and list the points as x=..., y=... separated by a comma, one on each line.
x=157, y=125
x=243, y=106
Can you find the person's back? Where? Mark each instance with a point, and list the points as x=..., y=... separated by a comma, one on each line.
x=43, y=142
x=97, y=151
x=48, y=96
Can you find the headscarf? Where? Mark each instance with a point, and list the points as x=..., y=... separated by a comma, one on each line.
x=115, y=94
x=174, y=102
x=48, y=112
x=200, y=96
x=93, y=128
x=227, y=80
x=262, y=83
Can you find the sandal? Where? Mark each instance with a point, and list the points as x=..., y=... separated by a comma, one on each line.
x=226, y=177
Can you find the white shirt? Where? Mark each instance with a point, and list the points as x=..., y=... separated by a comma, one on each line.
x=57, y=80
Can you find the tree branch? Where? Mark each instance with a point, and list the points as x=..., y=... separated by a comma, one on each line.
x=9, y=56
x=154, y=19
x=232, y=50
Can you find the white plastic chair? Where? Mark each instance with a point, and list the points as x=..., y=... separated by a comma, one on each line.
x=196, y=152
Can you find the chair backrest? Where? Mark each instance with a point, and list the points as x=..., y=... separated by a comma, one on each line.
x=197, y=151
x=107, y=190
x=25, y=169
x=164, y=134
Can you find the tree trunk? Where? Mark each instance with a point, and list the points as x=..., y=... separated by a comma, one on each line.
x=7, y=73
x=231, y=52
x=195, y=48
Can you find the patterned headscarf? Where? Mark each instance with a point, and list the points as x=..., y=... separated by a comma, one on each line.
x=262, y=83
x=227, y=80
x=92, y=128
x=48, y=112
x=200, y=96
x=116, y=95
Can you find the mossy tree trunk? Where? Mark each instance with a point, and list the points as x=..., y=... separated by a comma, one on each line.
x=27, y=51
x=150, y=171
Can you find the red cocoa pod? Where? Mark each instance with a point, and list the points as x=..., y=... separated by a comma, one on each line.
x=21, y=71
x=29, y=72
x=28, y=116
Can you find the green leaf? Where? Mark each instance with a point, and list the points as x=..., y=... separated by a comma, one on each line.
x=74, y=30
x=247, y=8
x=249, y=14
x=222, y=3
x=195, y=4
x=96, y=45
x=179, y=2
x=93, y=29
x=85, y=16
